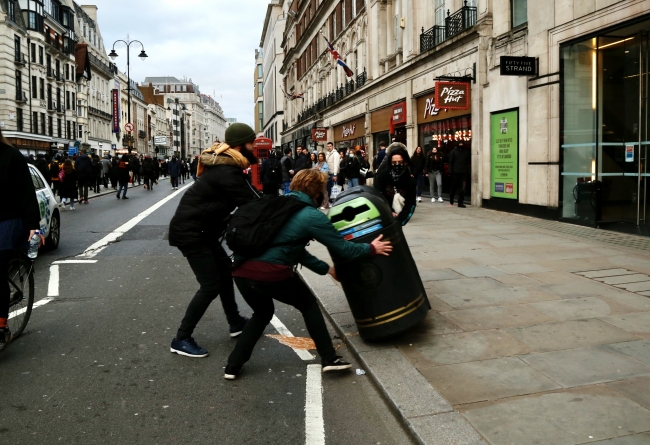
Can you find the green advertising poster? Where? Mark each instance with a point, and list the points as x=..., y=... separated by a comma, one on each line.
x=504, y=147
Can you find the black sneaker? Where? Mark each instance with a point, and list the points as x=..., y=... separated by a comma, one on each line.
x=125, y=197
x=462, y=206
x=5, y=338
x=188, y=348
x=236, y=329
x=336, y=364
x=232, y=372
x=118, y=196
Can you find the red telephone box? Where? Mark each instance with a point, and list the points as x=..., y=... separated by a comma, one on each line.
x=261, y=147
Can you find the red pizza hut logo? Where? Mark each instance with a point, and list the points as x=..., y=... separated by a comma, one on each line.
x=452, y=95
x=430, y=108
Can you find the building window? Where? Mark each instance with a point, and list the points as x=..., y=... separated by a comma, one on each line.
x=34, y=88
x=260, y=72
x=11, y=11
x=81, y=131
x=34, y=122
x=260, y=89
x=50, y=127
x=42, y=123
x=40, y=55
x=41, y=88
x=33, y=53
x=67, y=72
x=19, y=85
x=19, y=119
x=68, y=130
x=17, y=48
x=58, y=128
x=73, y=101
x=519, y=12
x=67, y=100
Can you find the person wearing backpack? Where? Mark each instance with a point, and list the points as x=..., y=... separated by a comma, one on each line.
x=294, y=220
x=83, y=167
x=198, y=225
x=271, y=173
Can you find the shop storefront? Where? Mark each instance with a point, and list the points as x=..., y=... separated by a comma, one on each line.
x=31, y=146
x=604, y=128
x=443, y=129
x=388, y=123
x=350, y=134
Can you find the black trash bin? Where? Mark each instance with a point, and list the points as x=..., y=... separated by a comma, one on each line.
x=385, y=293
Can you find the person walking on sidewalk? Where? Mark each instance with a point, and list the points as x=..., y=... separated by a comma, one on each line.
x=20, y=218
x=69, y=184
x=135, y=169
x=97, y=173
x=396, y=184
x=123, y=176
x=115, y=164
x=55, y=167
x=271, y=276
x=287, y=170
x=41, y=165
x=174, y=169
x=322, y=166
x=333, y=162
x=379, y=157
x=434, y=168
x=199, y=224
x=459, y=165
x=417, y=170
x=271, y=173
x=148, y=172
x=193, y=166
x=83, y=166
x=106, y=170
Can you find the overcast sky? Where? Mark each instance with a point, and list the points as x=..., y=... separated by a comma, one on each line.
x=211, y=41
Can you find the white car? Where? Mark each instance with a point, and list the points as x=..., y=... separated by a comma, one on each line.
x=50, y=216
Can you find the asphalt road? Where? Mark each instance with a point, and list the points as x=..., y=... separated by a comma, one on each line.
x=94, y=366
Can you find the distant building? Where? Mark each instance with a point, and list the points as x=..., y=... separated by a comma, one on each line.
x=272, y=56
x=258, y=92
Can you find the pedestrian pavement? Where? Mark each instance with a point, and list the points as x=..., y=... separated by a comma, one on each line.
x=539, y=332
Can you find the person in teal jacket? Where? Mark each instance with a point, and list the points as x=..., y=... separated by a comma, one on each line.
x=271, y=276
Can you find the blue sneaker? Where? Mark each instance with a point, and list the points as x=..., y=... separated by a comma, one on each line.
x=236, y=329
x=188, y=348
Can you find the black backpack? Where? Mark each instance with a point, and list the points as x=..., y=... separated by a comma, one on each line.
x=254, y=226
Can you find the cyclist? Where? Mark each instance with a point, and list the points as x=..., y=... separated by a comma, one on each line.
x=19, y=219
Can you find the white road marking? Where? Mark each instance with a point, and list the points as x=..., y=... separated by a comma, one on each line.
x=39, y=303
x=314, y=423
x=75, y=262
x=53, y=286
x=100, y=245
x=282, y=330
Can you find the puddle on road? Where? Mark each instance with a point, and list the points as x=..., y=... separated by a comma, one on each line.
x=294, y=342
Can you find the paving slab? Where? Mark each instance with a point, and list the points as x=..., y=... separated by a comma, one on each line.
x=581, y=289
x=637, y=389
x=436, y=303
x=555, y=277
x=434, y=350
x=479, y=271
x=569, y=335
x=587, y=366
x=487, y=380
x=637, y=439
x=449, y=264
x=522, y=268
x=570, y=417
x=606, y=273
x=496, y=317
x=517, y=280
x=631, y=299
x=465, y=285
x=439, y=274
x=580, y=308
x=639, y=349
x=445, y=429
x=496, y=297
x=642, y=286
x=635, y=323
x=625, y=279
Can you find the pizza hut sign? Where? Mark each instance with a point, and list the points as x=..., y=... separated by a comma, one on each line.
x=319, y=134
x=348, y=130
x=452, y=95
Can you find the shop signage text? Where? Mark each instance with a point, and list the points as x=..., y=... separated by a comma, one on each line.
x=518, y=66
x=319, y=134
x=399, y=113
x=430, y=108
x=160, y=140
x=348, y=130
x=629, y=153
x=452, y=95
x=504, y=148
x=116, y=112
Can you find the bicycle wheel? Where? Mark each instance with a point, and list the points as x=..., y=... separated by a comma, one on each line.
x=21, y=287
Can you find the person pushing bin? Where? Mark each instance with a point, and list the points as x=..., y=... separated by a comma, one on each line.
x=385, y=294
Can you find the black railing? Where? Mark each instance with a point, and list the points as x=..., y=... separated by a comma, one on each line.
x=361, y=78
x=459, y=21
x=21, y=96
x=455, y=24
x=20, y=58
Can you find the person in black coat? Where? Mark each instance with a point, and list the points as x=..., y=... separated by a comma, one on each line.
x=459, y=167
x=397, y=185
x=148, y=172
x=434, y=168
x=41, y=165
x=83, y=166
x=199, y=224
x=174, y=169
x=68, y=188
x=303, y=161
x=271, y=173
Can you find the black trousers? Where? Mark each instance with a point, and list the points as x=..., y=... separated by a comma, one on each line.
x=260, y=295
x=5, y=292
x=175, y=181
x=271, y=189
x=457, y=184
x=148, y=182
x=211, y=266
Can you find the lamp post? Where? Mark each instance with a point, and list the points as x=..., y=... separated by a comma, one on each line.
x=143, y=56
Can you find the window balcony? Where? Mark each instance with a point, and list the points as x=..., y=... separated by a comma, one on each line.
x=20, y=59
x=50, y=73
x=455, y=24
x=21, y=96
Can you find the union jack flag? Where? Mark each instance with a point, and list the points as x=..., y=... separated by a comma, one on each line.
x=293, y=96
x=337, y=58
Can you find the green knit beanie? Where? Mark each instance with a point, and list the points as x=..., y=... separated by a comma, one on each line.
x=238, y=134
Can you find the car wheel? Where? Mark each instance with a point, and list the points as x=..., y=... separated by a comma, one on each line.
x=52, y=241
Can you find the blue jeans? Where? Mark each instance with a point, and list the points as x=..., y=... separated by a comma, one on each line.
x=285, y=187
x=330, y=184
x=419, y=179
x=353, y=182
x=124, y=185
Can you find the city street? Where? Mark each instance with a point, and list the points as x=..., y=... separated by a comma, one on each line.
x=94, y=366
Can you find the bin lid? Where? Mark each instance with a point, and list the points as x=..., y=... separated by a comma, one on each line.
x=360, y=213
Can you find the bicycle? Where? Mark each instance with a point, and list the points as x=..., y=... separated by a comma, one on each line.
x=21, y=292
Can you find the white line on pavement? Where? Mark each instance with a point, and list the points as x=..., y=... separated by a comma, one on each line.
x=282, y=330
x=117, y=233
x=314, y=423
x=39, y=303
x=53, y=286
x=75, y=262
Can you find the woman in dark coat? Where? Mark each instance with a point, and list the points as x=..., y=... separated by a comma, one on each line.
x=68, y=187
x=396, y=184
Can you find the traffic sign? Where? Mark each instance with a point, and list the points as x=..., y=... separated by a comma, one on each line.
x=128, y=127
